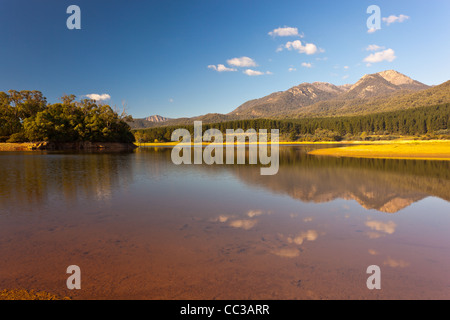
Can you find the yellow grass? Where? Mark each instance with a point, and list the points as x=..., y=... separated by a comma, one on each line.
x=19, y=294
x=425, y=150
x=381, y=142
x=15, y=146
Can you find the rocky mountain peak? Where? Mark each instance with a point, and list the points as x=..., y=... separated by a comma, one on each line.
x=395, y=77
x=157, y=118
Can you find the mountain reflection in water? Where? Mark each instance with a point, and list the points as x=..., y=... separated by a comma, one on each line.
x=385, y=185
x=141, y=227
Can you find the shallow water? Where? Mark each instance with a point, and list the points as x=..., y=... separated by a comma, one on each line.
x=141, y=227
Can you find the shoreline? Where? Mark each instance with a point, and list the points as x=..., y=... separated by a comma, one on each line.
x=85, y=145
x=383, y=149
x=407, y=149
x=285, y=143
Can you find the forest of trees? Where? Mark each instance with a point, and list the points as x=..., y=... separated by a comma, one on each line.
x=25, y=116
x=431, y=121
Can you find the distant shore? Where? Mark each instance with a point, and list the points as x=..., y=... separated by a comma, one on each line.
x=282, y=143
x=39, y=146
x=408, y=149
x=383, y=149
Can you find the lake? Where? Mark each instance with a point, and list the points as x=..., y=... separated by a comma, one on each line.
x=140, y=227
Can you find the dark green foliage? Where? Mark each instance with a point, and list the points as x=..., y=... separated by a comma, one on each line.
x=17, y=138
x=15, y=107
x=25, y=116
x=419, y=121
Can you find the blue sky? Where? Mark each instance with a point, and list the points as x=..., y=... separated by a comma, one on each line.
x=155, y=54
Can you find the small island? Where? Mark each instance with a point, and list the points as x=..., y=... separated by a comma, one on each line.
x=28, y=122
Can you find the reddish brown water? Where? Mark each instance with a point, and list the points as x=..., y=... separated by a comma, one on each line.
x=140, y=227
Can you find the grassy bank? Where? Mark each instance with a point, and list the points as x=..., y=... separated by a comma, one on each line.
x=425, y=150
x=403, y=140
x=26, y=146
x=387, y=149
x=19, y=294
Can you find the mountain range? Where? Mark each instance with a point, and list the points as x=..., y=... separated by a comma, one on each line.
x=149, y=121
x=379, y=92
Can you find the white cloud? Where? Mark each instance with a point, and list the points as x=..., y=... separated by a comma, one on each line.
x=374, y=47
x=99, y=97
x=292, y=69
x=243, y=224
x=346, y=67
x=170, y=100
x=221, y=68
x=345, y=77
x=393, y=19
x=285, y=32
x=306, y=64
x=308, y=48
x=251, y=72
x=242, y=62
x=309, y=235
x=223, y=218
x=395, y=263
x=372, y=30
x=386, y=227
x=254, y=213
x=386, y=55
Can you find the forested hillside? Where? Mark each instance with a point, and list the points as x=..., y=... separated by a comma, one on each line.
x=433, y=120
x=373, y=93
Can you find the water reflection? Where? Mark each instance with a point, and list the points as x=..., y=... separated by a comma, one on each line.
x=395, y=263
x=33, y=180
x=383, y=185
x=163, y=231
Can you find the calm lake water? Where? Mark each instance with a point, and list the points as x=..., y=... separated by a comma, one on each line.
x=140, y=227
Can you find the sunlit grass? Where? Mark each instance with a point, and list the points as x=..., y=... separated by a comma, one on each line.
x=19, y=294
x=15, y=146
x=431, y=149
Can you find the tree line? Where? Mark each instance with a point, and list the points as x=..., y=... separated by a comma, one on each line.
x=433, y=120
x=25, y=116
